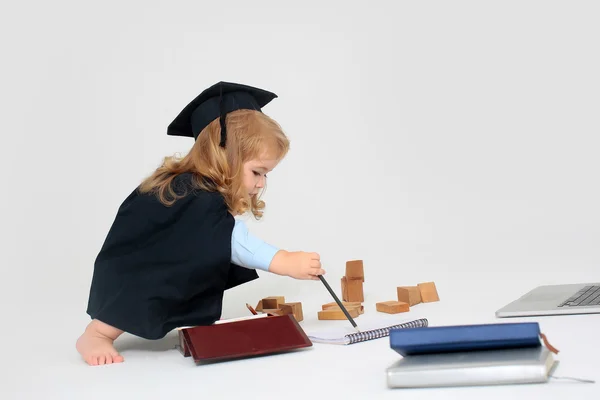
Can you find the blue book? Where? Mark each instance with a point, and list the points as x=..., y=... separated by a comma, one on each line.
x=444, y=339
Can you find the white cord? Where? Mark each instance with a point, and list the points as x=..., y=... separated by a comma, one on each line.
x=574, y=379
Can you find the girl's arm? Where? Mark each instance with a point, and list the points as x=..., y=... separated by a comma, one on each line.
x=248, y=250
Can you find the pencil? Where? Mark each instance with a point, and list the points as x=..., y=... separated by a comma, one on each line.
x=338, y=302
x=252, y=310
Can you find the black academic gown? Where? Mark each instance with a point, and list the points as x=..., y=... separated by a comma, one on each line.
x=164, y=267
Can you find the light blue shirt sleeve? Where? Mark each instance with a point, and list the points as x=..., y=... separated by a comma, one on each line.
x=249, y=251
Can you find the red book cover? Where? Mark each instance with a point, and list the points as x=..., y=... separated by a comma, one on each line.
x=243, y=338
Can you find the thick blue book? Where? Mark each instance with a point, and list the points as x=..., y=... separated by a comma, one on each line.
x=444, y=339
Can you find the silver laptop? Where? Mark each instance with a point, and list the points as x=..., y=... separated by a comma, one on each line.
x=577, y=298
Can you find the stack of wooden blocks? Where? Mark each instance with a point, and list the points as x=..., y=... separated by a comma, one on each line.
x=409, y=296
x=277, y=305
x=333, y=311
x=352, y=281
x=352, y=294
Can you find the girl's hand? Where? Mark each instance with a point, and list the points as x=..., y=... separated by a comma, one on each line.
x=297, y=264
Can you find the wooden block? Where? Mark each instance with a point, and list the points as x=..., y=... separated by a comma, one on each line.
x=259, y=306
x=284, y=310
x=344, y=289
x=360, y=309
x=276, y=311
x=355, y=290
x=392, y=307
x=428, y=292
x=294, y=308
x=355, y=270
x=347, y=306
x=345, y=303
x=273, y=302
x=337, y=314
x=409, y=294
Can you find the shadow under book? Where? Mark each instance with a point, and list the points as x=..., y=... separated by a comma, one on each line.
x=242, y=338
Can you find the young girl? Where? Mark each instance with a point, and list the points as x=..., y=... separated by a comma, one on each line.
x=175, y=246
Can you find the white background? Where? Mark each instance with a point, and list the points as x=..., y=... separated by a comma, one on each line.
x=453, y=142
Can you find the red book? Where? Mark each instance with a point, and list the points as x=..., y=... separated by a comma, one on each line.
x=224, y=340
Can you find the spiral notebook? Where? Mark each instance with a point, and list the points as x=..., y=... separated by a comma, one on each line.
x=371, y=334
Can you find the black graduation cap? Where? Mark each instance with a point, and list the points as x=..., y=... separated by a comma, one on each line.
x=216, y=102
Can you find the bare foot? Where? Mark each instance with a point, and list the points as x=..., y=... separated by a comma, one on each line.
x=96, y=344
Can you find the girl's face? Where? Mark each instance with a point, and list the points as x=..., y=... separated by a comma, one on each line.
x=255, y=174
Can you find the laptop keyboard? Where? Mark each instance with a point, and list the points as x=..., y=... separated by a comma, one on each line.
x=587, y=296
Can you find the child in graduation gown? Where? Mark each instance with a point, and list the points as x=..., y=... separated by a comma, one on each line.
x=175, y=245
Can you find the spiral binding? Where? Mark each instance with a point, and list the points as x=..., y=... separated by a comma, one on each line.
x=381, y=332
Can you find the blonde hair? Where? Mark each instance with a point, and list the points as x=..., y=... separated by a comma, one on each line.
x=250, y=135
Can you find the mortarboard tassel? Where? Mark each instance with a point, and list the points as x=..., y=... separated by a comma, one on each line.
x=222, y=119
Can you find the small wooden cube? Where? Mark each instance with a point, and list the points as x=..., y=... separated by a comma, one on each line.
x=428, y=292
x=344, y=289
x=294, y=308
x=272, y=302
x=409, y=294
x=392, y=307
x=355, y=290
x=355, y=270
x=336, y=314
